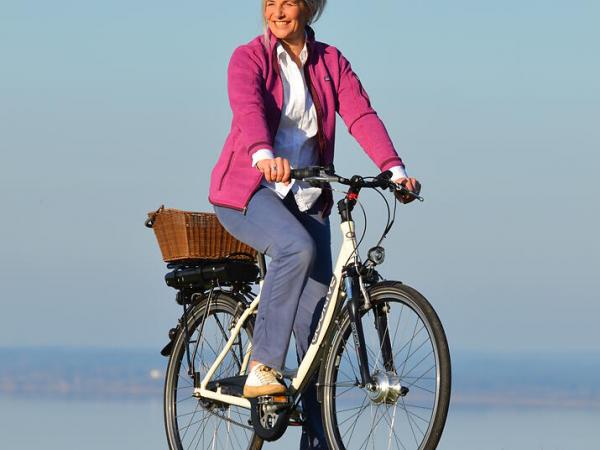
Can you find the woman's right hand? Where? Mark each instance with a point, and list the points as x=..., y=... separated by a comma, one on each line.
x=412, y=185
x=275, y=170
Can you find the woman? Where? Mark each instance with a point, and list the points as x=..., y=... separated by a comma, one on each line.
x=285, y=89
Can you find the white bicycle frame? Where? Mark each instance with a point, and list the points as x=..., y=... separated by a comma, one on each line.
x=347, y=251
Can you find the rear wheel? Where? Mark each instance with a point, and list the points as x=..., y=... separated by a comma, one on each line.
x=192, y=423
x=408, y=407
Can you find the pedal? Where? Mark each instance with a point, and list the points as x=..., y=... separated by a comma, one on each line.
x=282, y=400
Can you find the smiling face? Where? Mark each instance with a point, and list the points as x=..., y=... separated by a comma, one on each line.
x=286, y=19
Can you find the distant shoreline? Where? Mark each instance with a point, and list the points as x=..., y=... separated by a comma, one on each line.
x=479, y=380
x=460, y=400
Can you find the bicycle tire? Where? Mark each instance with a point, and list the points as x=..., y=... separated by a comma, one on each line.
x=428, y=397
x=205, y=424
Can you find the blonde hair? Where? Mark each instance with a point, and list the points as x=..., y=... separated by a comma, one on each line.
x=315, y=10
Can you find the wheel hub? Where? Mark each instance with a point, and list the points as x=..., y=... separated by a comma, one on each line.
x=386, y=388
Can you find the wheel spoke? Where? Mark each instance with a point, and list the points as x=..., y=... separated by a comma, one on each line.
x=343, y=392
x=392, y=431
x=357, y=415
x=226, y=339
x=410, y=345
x=184, y=399
x=191, y=424
x=391, y=427
x=422, y=377
x=423, y=389
x=398, y=324
x=423, y=359
x=365, y=443
x=409, y=405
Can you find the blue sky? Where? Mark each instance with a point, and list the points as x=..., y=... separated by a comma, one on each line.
x=109, y=109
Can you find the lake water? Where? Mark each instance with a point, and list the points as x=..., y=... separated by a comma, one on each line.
x=27, y=424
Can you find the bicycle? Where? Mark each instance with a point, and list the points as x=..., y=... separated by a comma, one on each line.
x=379, y=352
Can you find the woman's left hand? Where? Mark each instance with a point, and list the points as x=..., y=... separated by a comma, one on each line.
x=412, y=184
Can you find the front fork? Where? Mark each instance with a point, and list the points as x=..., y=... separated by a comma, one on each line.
x=354, y=305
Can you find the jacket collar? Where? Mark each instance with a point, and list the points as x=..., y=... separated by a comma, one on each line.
x=282, y=55
x=310, y=39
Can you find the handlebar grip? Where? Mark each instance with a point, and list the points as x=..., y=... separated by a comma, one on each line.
x=305, y=172
x=386, y=175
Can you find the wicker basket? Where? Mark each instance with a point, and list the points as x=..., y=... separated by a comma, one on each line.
x=186, y=235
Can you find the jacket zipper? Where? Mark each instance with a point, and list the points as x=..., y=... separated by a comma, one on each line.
x=275, y=63
x=317, y=102
x=320, y=134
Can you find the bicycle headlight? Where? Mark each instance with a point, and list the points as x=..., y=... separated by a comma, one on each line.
x=377, y=255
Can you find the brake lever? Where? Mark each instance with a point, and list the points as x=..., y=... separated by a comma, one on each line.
x=416, y=196
x=403, y=191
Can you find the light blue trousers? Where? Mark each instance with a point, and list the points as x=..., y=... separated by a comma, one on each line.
x=291, y=300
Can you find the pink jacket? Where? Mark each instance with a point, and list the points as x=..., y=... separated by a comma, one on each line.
x=256, y=98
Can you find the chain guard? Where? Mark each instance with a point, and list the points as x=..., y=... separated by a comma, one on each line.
x=270, y=416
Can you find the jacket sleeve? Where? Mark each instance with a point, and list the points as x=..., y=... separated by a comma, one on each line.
x=361, y=119
x=245, y=86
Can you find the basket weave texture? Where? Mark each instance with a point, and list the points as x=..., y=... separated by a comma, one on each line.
x=186, y=235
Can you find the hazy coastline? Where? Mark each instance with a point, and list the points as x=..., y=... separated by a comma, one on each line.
x=479, y=380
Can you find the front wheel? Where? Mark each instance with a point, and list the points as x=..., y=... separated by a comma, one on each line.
x=409, y=362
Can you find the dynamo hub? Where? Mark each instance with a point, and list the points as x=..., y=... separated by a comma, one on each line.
x=386, y=388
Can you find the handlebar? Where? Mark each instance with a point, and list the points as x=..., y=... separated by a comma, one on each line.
x=318, y=175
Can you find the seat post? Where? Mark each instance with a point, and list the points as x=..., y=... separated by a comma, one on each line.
x=262, y=264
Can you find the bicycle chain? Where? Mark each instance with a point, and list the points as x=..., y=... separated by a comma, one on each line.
x=248, y=427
